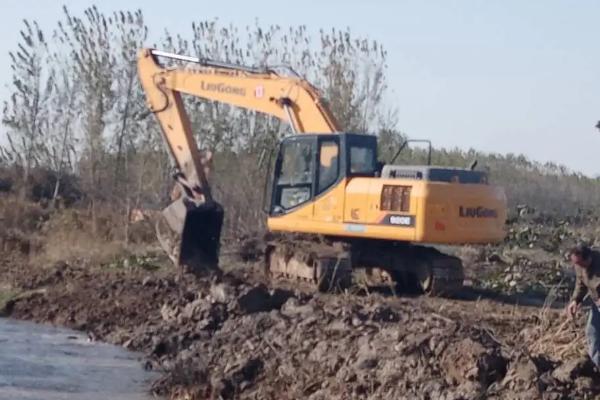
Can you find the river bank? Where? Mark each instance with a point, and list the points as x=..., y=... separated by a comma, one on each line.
x=241, y=337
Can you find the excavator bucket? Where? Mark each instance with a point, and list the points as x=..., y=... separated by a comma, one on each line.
x=199, y=231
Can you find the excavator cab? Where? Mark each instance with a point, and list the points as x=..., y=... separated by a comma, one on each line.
x=309, y=165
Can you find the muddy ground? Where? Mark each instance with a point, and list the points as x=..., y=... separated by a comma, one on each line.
x=243, y=337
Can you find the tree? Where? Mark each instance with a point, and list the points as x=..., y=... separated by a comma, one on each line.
x=88, y=44
x=59, y=151
x=131, y=34
x=25, y=114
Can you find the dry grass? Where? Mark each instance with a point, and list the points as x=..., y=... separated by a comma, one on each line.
x=22, y=215
x=556, y=335
x=72, y=235
x=6, y=295
x=45, y=237
x=73, y=245
x=562, y=342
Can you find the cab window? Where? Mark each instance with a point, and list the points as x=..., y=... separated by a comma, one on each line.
x=329, y=164
x=362, y=160
x=295, y=179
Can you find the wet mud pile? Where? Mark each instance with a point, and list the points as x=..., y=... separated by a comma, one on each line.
x=239, y=337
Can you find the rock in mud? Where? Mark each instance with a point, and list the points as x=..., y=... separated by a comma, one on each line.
x=260, y=299
x=571, y=369
x=222, y=293
x=238, y=380
x=293, y=308
x=469, y=360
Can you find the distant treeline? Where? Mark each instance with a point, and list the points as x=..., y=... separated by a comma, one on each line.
x=76, y=111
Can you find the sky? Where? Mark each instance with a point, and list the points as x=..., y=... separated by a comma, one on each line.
x=506, y=76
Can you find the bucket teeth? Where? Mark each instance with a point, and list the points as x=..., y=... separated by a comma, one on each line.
x=192, y=239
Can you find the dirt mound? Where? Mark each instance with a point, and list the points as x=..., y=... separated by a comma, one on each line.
x=326, y=347
x=239, y=338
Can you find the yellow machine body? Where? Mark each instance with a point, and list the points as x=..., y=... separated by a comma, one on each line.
x=332, y=185
x=437, y=213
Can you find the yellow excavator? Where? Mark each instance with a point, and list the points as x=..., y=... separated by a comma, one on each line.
x=333, y=207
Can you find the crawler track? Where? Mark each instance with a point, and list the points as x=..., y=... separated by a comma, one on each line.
x=326, y=267
x=327, y=264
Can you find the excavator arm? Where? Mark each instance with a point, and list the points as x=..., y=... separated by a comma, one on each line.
x=195, y=215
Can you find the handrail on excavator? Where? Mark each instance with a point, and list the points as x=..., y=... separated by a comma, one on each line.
x=207, y=62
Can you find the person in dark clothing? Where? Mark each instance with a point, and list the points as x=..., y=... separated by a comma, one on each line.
x=587, y=271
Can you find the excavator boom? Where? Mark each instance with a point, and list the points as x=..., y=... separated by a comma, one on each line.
x=195, y=216
x=289, y=98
